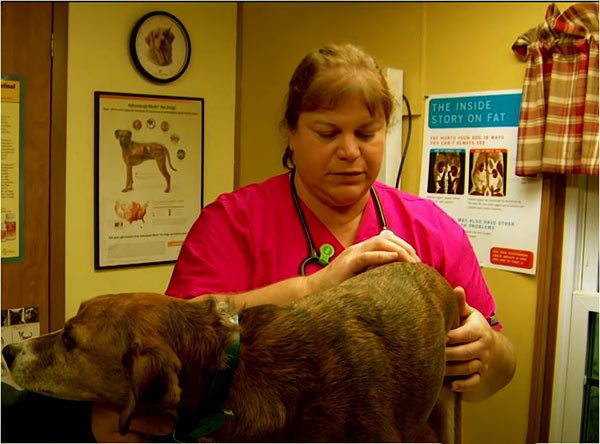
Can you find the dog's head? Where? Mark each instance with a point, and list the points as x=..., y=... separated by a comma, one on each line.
x=112, y=351
x=159, y=41
x=124, y=137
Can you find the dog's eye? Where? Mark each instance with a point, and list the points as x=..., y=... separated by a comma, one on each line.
x=68, y=340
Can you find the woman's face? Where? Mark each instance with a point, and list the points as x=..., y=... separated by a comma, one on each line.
x=338, y=152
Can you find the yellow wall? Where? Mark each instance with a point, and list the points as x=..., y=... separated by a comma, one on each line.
x=99, y=61
x=442, y=48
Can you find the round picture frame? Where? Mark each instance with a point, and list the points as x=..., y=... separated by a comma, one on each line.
x=160, y=47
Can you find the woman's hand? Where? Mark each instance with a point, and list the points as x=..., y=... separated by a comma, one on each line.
x=468, y=347
x=479, y=360
x=105, y=425
x=378, y=250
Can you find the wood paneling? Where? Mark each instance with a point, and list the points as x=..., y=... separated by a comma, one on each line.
x=26, y=51
x=546, y=322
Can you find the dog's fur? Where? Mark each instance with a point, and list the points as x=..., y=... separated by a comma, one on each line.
x=135, y=153
x=160, y=49
x=363, y=361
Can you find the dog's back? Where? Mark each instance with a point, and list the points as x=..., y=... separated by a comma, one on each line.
x=363, y=361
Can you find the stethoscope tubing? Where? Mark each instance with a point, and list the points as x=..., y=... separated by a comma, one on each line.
x=313, y=256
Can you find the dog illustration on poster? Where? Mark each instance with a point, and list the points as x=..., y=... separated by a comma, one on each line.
x=134, y=153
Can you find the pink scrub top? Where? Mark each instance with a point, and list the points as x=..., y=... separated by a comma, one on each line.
x=253, y=237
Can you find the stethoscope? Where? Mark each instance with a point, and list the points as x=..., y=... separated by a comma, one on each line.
x=326, y=251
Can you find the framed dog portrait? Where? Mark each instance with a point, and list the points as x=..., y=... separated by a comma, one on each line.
x=149, y=176
x=160, y=47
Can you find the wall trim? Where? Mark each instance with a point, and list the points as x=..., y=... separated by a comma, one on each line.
x=548, y=298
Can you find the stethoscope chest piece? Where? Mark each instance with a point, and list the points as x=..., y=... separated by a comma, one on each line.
x=326, y=252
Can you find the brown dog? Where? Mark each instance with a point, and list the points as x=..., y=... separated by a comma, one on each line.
x=135, y=153
x=363, y=361
x=159, y=41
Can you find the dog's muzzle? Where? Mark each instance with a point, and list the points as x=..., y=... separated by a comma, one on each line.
x=9, y=353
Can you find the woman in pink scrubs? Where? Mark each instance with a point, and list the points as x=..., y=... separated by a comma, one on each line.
x=247, y=246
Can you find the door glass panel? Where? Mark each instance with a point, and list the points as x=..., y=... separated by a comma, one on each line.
x=589, y=420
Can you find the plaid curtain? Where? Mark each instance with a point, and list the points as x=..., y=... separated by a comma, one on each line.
x=558, y=125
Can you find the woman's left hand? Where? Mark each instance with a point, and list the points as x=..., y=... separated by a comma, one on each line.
x=469, y=347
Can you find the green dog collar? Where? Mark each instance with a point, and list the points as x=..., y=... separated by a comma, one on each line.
x=210, y=417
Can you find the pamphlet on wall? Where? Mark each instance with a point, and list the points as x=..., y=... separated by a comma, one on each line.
x=11, y=184
x=469, y=158
x=18, y=325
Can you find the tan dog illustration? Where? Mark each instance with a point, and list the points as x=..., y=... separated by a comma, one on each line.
x=363, y=361
x=160, y=49
x=135, y=153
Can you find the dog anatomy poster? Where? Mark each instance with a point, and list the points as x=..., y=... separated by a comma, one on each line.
x=468, y=166
x=149, y=176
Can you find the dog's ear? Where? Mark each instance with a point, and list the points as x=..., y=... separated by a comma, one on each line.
x=170, y=35
x=149, y=38
x=153, y=371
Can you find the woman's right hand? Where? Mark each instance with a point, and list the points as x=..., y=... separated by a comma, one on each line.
x=378, y=250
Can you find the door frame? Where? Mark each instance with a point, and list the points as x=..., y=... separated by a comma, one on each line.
x=37, y=33
x=58, y=154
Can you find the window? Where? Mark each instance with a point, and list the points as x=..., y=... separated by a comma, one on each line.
x=575, y=400
x=589, y=420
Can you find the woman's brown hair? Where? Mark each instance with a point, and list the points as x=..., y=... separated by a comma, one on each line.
x=329, y=73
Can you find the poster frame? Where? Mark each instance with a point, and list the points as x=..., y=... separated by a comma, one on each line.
x=100, y=184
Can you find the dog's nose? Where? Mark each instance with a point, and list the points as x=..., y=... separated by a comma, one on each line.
x=9, y=352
